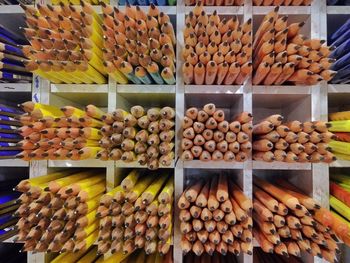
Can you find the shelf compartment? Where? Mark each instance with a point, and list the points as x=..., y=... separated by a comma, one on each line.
x=291, y=106
x=171, y=89
x=282, y=90
x=197, y=164
x=214, y=89
x=82, y=163
x=260, y=165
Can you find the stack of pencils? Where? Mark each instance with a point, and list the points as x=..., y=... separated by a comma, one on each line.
x=59, y=134
x=341, y=44
x=282, y=55
x=292, y=141
x=282, y=2
x=261, y=257
x=12, y=57
x=65, y=43
x=215, y=216
x=340, y=125
x=58, y=211
x=9, y=129
x=76, y=2
x=138, y=47
x=137, y=214
x=340, y=203
x=208, y=136
x=217, y=50
x=142, y=136
x=8, y=205
x=215, y=2
x=288, y=222
x=148, y=2
x=215, y=258
x=87, y=256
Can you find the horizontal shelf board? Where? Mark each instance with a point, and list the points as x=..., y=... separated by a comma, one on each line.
x=338, y=10
x=197, y=164
x=259, y=165
x=13, y=163
x=10, y=240
x=11, y=9
x=281, y=89
x=213, y=89
x=284, y=10
x=83, y=163
x=221, y=10
x=169, y=89
x=121, y=164
x=169, y=10
x=15, y=87
x=78, y=88
x=338, y=88
x=340, y=163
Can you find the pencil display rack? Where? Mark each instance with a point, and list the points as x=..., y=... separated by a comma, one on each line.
x=303, y=103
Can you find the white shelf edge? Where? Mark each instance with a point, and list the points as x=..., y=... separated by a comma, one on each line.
x=260, y=165
x=338, y=88
x=13, y=163
x=197, y=164
x=221, y=10
x=340, y=163
x=82, y=163
x=15, y=87
x=11, y=9
x=164, y=89
x=11, y=240
x=78, y=88
x=169, y=10
x=121, y=164
x=284, y=10
x=213, y=89
x=292, y=90
x=338, y=10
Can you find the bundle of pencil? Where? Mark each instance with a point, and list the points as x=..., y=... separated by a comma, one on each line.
x=9, y=129
x=65, y=43
x=11, y=57
x=145, y=136
x=215, y=216
x=214, y=258
x=340, y=126
x=340, y=202
x=60, y=133
x=58, y=211
x=77, y=2
x=137, y=214
x=208, y=136
x=89, y=255
x=217, y=50
x=292, y=141
x=282, y=2
x=8, y=205
x=340, y=41
x=261, y=257
x=215, y=2
x=288, y=222
x=138, y=47
x=147, y=2
x=282, y=55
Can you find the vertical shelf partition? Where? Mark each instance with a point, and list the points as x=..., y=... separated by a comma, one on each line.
x=313, y=102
